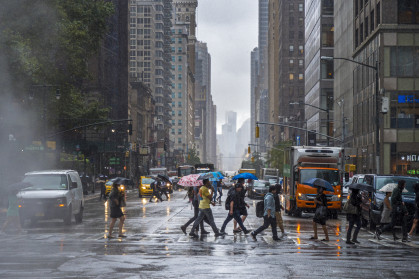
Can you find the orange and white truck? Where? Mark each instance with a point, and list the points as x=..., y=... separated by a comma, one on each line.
x=302, y=163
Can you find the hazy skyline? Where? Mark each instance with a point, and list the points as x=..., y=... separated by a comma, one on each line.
x=230, y=28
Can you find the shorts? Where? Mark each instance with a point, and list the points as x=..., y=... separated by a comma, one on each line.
x=116, y=212
x=319, y=221
x=243, y=211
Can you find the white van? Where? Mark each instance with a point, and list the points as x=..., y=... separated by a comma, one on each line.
x=53, y=194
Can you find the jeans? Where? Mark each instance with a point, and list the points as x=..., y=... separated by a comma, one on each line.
x=195, y=204
x=156, y=193
x=214, y=197
x=207, y=212
x=266, y=222
x=236, y=216
x=353, y=220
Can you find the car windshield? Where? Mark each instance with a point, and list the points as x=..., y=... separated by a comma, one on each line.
x=410, y=182
x=260, y=184
x=331, y=176
x=147, y=180
x=110, y=182
x=46, y=181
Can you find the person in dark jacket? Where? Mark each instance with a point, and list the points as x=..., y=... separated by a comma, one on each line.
x=354, y=218
x=416, y=218
x=320, y=200
x=278, y=208
x=398, y=212
x=237, y=202
x=243, y=206
x=155, y=185
x=115, y=199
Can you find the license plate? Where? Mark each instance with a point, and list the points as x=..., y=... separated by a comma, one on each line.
x=39, y=214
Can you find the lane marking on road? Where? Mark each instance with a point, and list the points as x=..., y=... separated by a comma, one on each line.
x=383, y=242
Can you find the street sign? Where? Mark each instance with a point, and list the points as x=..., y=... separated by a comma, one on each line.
x=114, y=161
x=298, y=141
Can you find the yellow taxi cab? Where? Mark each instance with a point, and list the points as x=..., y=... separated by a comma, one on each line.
x=110, y=182
x=144, y=188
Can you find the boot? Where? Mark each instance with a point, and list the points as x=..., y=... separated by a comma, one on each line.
x=355, y=237
x=395, y=236
x=348, y=238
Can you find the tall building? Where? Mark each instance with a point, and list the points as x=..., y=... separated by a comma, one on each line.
x=286, y=69
x=386, y=32
x=149, y=61
x=254, y=72
x=228, y=142
x=319, y=42
x=262, y=78
x=343, y=74
x=185, y=17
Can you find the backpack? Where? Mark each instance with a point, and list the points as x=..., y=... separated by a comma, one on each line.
x=229, y=198
x=260, y=209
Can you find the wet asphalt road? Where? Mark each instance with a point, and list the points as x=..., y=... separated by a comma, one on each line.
x=156, y=248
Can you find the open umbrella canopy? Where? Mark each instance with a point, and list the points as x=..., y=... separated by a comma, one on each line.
x=319, y=183
x=164, y=177
x=190, y=181
x=212, y=176
x=390, y=187
x=362, y=187
x=245, y=175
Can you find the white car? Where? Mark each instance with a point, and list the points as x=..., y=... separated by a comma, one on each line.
x=52, y=194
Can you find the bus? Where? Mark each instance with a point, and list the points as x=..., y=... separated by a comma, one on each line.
x=185, y=170
x=252, y=171
x=203, y=168
x=156, y=171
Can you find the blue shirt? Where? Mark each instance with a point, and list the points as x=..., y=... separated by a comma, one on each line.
x=269, y=203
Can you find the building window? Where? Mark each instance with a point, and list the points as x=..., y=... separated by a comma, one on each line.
x=179, y=140
x=173, y=113
x=179, y=40
x=173, y=67
x=173, y=124
x=327, y=7
x=179, y=67
x=356, y=38
x=301, y=21
x=173, y=49
x=301, y=7
x=179, y=76
x=179, y=104
x=327, y=35
x=327, y=69
x=300, y=76
x=173, y=104
x=179, y=94
x=291, y=76
x=301, y=49
x=361, y=33
x=291, y=62
x=300, y=35
x=366, y=27
x=300, y=63
x=179, y=131
x=179, y=122
x=179, y=49
x=173, y=95
x=404, y=61
x=179, y=58
x=408, y=11
x=291, y=35
x=404, y=110
x=179, y=86
x=291, y=7
x=291, y=49
x=173, y=131
x=179, y=113
x=173, y=59
x=378, y=16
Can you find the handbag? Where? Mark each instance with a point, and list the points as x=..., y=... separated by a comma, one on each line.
x=349, y=208
x=321, y=213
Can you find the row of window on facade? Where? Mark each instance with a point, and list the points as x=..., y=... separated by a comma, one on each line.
x=179, y=49
x=300, y=76
x=370, y=22
x=300, y=7
x=179, y=131
x=300, y=49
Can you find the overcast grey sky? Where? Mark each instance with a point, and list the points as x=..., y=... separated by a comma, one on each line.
x=230, y=28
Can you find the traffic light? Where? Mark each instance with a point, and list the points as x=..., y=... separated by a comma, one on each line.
x=130, y=129
x=165, y=147
x=257, y=132
x=248, y=149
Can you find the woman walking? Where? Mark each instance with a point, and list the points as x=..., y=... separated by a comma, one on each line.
x=353, y=216
x=115, y=199
x=385, y=215
x=320, y=200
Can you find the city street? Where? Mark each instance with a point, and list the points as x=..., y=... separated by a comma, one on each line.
x=157, y=248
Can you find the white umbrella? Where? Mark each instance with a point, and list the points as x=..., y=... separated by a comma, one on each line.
x=390, y=187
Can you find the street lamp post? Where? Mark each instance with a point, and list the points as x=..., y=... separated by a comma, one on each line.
x=327, y=115
x=377, y=119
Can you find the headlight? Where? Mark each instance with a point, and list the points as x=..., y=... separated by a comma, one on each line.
x=61, y=202
x=168, y=184
x=144, y=187
x=302, y=197
x=335, y=198
x=122, y=187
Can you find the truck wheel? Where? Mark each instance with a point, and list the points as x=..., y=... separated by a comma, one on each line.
x=68, y=215
x=79, y=216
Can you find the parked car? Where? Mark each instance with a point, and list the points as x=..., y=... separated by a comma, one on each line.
x=258, y=189
x=372, y=203
x=53, y=194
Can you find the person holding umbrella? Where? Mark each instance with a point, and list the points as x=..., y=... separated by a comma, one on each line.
x=115, y=199
x=416, y=218
x=320, y=201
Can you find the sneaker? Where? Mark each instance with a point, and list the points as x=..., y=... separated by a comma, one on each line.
x=276, y=238
x=205, y=232
x=247, y=231
x=193, y=235
x=220, y=234
x=254, y=236
x=183, y=229
x=349, y=242
x=237, y=231
x=355, y=241
x=122, y=235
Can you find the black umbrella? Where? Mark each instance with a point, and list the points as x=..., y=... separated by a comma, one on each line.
x=362, y=187
x=164, y=177
x=18, y=186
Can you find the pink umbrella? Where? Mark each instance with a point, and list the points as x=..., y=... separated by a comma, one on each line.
x=190, y=180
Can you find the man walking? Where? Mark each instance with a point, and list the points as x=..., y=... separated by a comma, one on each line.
x=205, y=209
x=195, y=203
x=269, y=215
x=156, y=190
x=236, y=203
